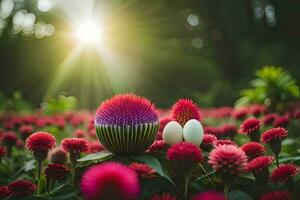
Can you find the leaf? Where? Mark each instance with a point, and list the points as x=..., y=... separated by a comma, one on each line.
x=238, y=195
x=30, y=165
x=95, y=158
x=288, y=159
x=155, y=164
x=206, y=175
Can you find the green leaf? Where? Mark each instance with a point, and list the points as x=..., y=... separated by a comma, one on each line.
x=289, y=159
x=97, y=157
x=155, y=164
x=238, y=195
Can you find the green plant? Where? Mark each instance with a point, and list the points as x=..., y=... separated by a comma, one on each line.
x=273, y=86
x=59, y=105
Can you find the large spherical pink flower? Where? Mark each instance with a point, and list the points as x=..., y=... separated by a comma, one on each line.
x=74, y=145
x=40, y=141
x=126, y=109
x=277, y=195
x=253, y=149
x=184, y=110
x=21, y=188
x=228, y=159
x=184, y=151
x=209, y=195
x=284, y=172
x=110, y=181
x=249, y=126
x=274, y=133
x=260, y=163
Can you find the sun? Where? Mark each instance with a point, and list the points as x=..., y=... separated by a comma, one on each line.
x=88, y=32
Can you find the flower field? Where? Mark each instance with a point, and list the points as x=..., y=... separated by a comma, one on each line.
x=130, y=149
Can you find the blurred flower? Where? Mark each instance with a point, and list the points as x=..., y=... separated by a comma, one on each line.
x=57, y=156
x=162, y=123
x=224, y=142
x=21, y=188
x=110, y=181
x=56, y=171
x=209, y=195
x=253, y=149
x=228, y=130
x=94, y=147
x=269, y=118
x=158, y=145
x=277, y=195
x=251, y=128
x=257, y=109
x=213, y=131
x=229, y=161
x=75, y=145
x=4, y=191
x=260, y=168
x=240, y=113
x=284, y=173
x=25, y=131
x=143, y=170
x=281, y=121
x=163, y=196
x=2, y=152
x=79, y=133
x=207, y=142
x=184, y=110
x=9, y=139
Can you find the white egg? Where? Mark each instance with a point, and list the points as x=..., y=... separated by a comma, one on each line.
x=172, y=133
x=193, y=132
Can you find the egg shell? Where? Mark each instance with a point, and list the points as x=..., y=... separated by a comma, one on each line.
x=193, y=132
x=172, y=133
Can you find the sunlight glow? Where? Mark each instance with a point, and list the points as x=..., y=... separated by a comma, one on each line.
x=88, y=32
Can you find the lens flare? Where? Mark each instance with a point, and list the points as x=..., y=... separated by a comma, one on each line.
x=88, y=32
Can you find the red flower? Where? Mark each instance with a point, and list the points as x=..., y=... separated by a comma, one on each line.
x=110, y=180
x=40, y=141
x=259, y=163
x=9, y=139
x=281, y=121
x=25, y=131
x=207, y=142
x=58, y=156
x=4, y=191
x=284, y=172
x=158, y=145
x=184, y=151
x=228, y=159
x=2, y=151
x=21, y=188
x=228, y=130
x=79, y=133
x=269, y=118
x=94, y=147
x=258, y=109
x=239, y=113
x=273, y=133
x=74, y=145
x=253, y=149
x=277, y=195
x=57, y=171
x=212, y=130
x=249, y=126
x=184, y=110
x=209, y=195
x=224, y=142
x=143, y=170
x=163, y=196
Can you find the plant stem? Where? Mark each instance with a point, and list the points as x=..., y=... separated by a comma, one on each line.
x=277, y=160
x=186, y=186
x=226, y=189
x=39, y=170
x=210, y=180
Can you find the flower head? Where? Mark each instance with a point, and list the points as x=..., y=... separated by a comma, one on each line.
x=213, y=131
x=224, y=142
x=281, y=121
x=74, y=145
x=2, y=151
x=228, y=130
x=260, y=163
x=209, y=195
x=163, y=196
x=258, y=109
x=253, y=149
x=228, y=160
x=207, y=142
x=126, y=109
x=269, y=118
x=158, y=145
x=21, y=188
x=40, y=141
x=274, y=133
x=57, y=156
x=143, y=170
x=57, y=171
x=184, y=151
x=110, y=181
x=284, y=172
x=277, y=195
x=4, y=191
x=249, y=126
x=239, y=113
x=79, y=133
x=94, y=147
x=9, y=139
x=25, y=131
x=184, y=110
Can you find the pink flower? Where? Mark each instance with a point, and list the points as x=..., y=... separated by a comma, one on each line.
x=260, y=163
x=110, y=181
x=273, y=133
x=284, y=172
x=228, y=130
x=184, y=110
x=4, y=191
x=57, y=171
x=207, y=142
x=21, y=188
x=94, y=147
x=277, y=195
x=209, y=195
x=143, y=170
x=249, y=126
x=184, y=151
x=281, y=121
x=253, y=149
x=74, y=145
x=40, y=141
x=158, y=145
x=224, y=142
x=269, y=118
